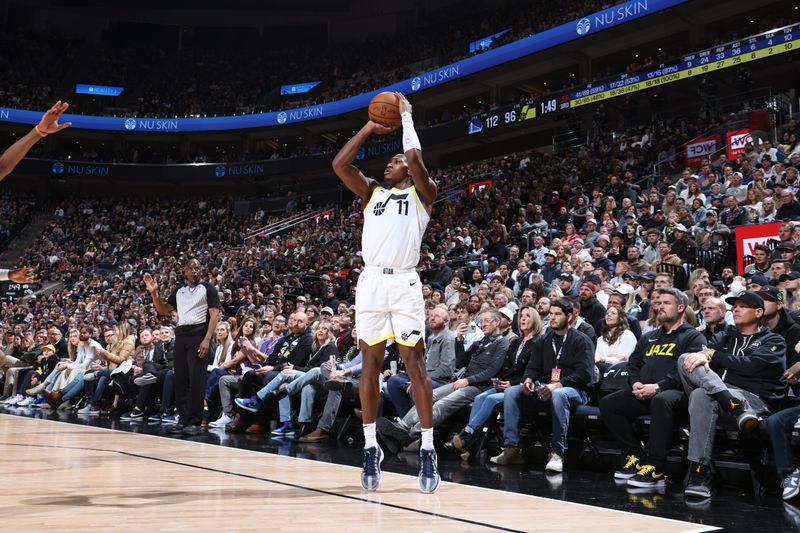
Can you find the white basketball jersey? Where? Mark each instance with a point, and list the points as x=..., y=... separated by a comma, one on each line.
x=394, y=223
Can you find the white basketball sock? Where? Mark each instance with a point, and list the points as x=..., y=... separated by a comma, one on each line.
x=369, y=436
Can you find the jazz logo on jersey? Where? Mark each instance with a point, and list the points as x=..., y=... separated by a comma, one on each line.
x=665, y=350
x=402, y=205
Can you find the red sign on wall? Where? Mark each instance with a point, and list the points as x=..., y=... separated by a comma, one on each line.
x=480, y=186
x=737, y=140
x=747, y=237
x=697, y=151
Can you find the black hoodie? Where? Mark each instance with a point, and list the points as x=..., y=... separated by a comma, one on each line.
x=755, y=363
x=655, y=359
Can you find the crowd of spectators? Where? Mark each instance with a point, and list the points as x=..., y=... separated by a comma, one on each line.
x=578, y=225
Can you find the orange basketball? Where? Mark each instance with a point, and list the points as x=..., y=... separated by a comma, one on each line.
x=385, y=109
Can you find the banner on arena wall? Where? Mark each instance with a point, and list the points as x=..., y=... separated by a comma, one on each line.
x=589, y=25
x=736, y=141
x=747, y=237
x=324, y=217
x=700, y=149
x=480, y=186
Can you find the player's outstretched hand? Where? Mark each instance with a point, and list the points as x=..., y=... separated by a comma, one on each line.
x=49, y=123
x=22, y=275
x=380, y=129
x=405, y=105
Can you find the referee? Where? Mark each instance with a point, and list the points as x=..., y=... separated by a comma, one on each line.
x=197, y=303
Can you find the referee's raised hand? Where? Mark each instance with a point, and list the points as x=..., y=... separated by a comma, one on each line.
x=150, y=283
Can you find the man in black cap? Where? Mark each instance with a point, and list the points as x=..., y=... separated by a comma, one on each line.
x=757, y=281
x=567, y=284
x=777, y=319
x=739, y=375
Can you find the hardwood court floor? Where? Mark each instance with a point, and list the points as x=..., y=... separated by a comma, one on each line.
x=77, y=478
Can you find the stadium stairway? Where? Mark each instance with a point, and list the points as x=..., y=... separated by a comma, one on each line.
x=25, y=239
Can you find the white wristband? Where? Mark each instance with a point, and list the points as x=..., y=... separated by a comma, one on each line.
x=4, y=274
x=410, y=139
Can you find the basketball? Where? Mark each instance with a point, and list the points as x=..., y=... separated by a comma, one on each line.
x=385, y=109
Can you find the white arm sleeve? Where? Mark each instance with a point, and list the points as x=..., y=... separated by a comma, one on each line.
x=4, y=274
x=410, y=139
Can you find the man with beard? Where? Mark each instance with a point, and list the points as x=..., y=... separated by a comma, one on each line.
x=592, y=311
x=655, y=390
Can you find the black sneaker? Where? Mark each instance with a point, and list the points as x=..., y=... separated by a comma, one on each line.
x=278, y=394
x=464, y=441
x=647, y=477
x=134, y=416
x=175, y=429
x=630, y=469
x=341, y=385
x=700, y=482
x=394, y=436
x=192, y=430
x=746, y=419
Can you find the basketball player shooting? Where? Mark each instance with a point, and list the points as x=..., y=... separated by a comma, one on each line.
x=11, y=158
x=389, y=302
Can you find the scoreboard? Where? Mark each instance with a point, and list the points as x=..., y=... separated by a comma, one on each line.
x=10, y=291
x=762, y=46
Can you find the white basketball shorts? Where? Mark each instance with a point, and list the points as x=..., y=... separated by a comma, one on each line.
x=389, y=305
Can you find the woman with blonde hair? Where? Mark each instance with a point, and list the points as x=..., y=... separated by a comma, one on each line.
x=115, y=359
x=224, y=361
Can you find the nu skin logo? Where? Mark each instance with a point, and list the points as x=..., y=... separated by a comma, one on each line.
x=220, y=171
x=130, y=124
x=58, y=168
x=416, y=83
x=583, y=27
x=282, y=117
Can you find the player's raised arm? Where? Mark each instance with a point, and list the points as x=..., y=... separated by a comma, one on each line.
x=413, y=152
x=343, y=162
x=47, y=125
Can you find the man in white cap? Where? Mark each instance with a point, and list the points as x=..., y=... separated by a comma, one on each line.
x=506, y=320
x=326, y=314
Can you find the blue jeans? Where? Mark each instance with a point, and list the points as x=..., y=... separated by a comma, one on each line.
x=276, y=382
x=306, y=384
x=396, y=389
x=561, y=402
x=212, y=381
x=483, y=406
x=168, y=392
x=102, y=377
x=73, y=388
x=779, y=428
